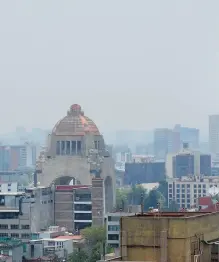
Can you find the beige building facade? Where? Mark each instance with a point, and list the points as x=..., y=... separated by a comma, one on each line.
x=76, y=149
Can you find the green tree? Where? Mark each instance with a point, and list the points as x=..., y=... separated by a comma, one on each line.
x=78, y=256
x=163, y=188
x=94, y=235
x=135, y=195
x=154, y=197
x=121, y=198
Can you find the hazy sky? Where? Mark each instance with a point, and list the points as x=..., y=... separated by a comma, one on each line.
x=130, y=64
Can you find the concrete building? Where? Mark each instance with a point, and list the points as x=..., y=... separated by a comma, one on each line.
x=22, y=213
x=113, y=226
x=73, y=207
x=46, y=247
x=169, y=237
x=185, y=191
x=214, y=134
x=76, y=149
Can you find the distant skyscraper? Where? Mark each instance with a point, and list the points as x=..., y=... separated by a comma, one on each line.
x=214, y=134
x=165, y=141
x=188, y=135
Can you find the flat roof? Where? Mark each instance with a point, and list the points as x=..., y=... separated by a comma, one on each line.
x=12, y=193
x=73, y=237
x=173, y=214
x=71, y=187
x=8, y=210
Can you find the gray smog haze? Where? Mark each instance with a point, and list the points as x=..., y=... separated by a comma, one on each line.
x=136, y=64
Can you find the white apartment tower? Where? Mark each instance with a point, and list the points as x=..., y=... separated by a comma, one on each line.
x=214, y=134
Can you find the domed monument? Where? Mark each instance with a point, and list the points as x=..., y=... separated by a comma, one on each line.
x=76, y=153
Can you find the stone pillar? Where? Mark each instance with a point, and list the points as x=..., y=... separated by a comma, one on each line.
x=97, y=196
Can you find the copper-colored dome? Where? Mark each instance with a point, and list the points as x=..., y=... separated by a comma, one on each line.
x=75, y=123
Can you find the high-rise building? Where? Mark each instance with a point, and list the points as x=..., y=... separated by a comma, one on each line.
x=188, y=163
x=188, y=135
x=165, y=141
x=214, y=134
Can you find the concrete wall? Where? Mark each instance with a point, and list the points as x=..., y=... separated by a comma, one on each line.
x=141, y=238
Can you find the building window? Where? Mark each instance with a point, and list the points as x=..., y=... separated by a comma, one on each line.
x=170, y=185
x=177, y=186
x=183, y=195
x=73, y=147
x=25, y=236
x=170, y=195
x=15, y=235
x=199, y=186
x=178, y=191
x=3, y=226
x=178, y=195
x=170, y=190
x=112, y=218
x=14, y=226
x=25, y=226
x=62, y=147
x=58, y=148
x=3, y=234
x=113, y=237
x=188, y=185
x=195, y=186
x=78, y=147
x=204, y=186
x=113, y=228
x=68, y=145
x=183, y=186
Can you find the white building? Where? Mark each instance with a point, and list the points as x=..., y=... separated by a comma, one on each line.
x=187, y=190
x=22, y=213
x=61, y=247
x=9, y=187
x=214, y=134
x=113, y=225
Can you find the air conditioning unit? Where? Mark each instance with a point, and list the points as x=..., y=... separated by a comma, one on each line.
x=77, y=198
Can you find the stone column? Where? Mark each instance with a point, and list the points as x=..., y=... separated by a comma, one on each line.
x=97, y=196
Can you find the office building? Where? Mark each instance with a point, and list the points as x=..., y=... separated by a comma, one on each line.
x=113, y=228
x=214, y=134
x=73, y=207
x=141, y=173
x=165, y=141
x=188, y=135
x=186, y=190
x=176, y=236
x=24, y=212
x=188, y=162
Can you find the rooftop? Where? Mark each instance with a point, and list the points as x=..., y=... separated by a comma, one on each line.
x=184, y=214
x=75, y=123
x=73, y=237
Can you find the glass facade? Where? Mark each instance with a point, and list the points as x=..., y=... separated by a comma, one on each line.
x=183, y=165
x=205, y=165
x=140, y=173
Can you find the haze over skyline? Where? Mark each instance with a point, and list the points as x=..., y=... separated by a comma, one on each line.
x=129, y=64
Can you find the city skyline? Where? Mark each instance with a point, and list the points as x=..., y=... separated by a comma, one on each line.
x=145, y=65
